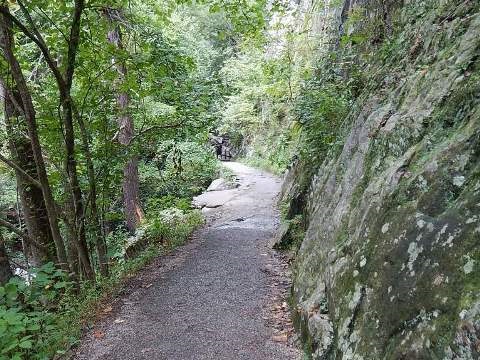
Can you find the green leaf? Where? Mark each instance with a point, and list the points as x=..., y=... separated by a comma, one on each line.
x=12, y=344
x=11, y=291
x=215, y=8
x=27, y=344
x=3, y=327
x=60, y=285
x=32, y=327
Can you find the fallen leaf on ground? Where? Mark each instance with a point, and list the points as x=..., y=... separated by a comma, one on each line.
x=107, y=310
x=97, y=334
x=119, y=321
x=280, y=338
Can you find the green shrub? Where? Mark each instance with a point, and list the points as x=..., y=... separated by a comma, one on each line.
x=190, y=167
x=172, y=226
x=321, y=110
x=47, y=312
x=180, y=170
x=157, y=204
x=28, y=321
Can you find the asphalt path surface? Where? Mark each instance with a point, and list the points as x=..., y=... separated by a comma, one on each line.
x=210, y=299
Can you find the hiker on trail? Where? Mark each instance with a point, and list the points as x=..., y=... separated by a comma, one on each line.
x=218, y=148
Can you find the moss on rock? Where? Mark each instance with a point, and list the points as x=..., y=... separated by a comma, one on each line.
x=388, y=267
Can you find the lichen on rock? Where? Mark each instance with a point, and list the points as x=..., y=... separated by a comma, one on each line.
x=388, y=267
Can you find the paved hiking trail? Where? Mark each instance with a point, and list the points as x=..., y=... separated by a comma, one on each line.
x=213, y=297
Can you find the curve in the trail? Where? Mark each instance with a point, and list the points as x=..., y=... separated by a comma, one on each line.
x=210, y=299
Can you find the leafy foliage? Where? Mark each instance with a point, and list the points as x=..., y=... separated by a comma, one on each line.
x=172, y=226
x=321, y=109
x=179, y=65
x=28, y=323
x=180, y=170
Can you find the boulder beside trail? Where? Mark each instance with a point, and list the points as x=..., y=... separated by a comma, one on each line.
x=221, y=184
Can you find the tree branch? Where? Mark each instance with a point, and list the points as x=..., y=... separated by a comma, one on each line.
x=73, y=42
x=20, y=233
x=157, y=127
x=8, y=93
x=22, y=172
x=53, y=23
x=36, y=37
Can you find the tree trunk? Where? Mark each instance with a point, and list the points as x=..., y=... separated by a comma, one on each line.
x=64, y=84
x=133, y=211
x=5, y=270
x=69, y=135
x=30, y=118
x=72, y=253
x=131, y=197
x=75, y=190
x=100, y=245
x=31, y=197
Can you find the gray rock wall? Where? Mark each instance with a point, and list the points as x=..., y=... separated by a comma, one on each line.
x=389, y=266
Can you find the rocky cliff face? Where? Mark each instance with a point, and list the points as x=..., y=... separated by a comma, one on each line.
x=389, y=265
